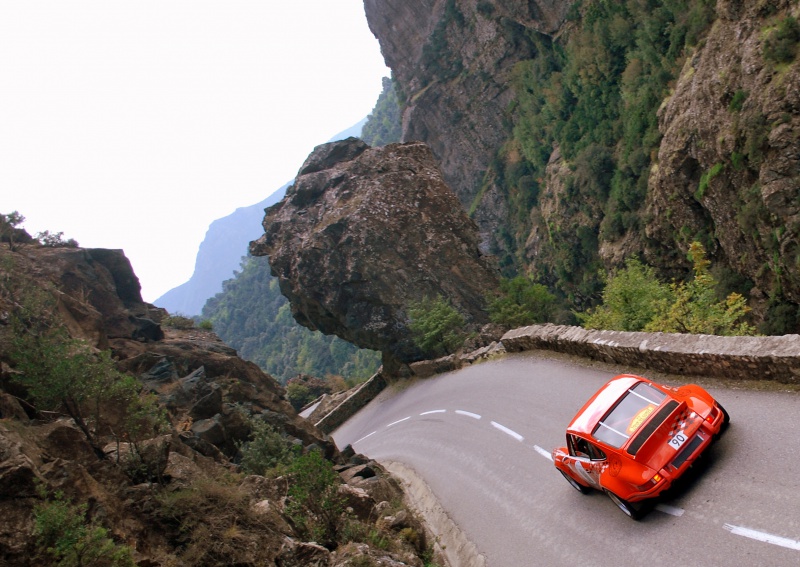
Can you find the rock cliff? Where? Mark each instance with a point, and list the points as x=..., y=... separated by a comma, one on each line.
x=453, y=62
x=365, y=232
x=721, y=163
x=729, y=162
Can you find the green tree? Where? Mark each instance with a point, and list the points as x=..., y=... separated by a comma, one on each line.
x=436, y=326
x=9, y=226
x=694, y=307
x=522, y=301
x=629, y=300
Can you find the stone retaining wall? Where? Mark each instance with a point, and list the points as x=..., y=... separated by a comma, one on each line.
x=736, y=358
x=751, y=358
x=352, y=404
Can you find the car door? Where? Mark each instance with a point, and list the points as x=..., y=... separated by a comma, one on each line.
x=586, y=460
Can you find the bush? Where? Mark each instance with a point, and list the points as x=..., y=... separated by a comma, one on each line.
x=694, y=308
x=266, y=450
x=55, y=240
x=178, y=322
x=737, y=102
x=780, y=45
x=66, y=375
x=436, y=326
x=706, y=178
x=315, y=506
x=521, y=302
x=64, y=534
x=629, y=299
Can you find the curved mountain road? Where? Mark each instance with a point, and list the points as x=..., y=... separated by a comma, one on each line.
x=480, y=438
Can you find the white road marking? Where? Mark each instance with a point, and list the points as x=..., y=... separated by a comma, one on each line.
x=399, y=421
x=511, y=432
x=671, y=510
x=365, y=436
x=763, y=536
x=434, y=411
x=543, y=452
x=468, y=414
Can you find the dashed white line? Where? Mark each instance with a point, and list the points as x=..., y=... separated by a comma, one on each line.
x=763, y=536
x=511, y=432
x=434, y=411
x=468, y=414
x=399, y=421
x=365, y=436
x=671, y=510
x=543, y=452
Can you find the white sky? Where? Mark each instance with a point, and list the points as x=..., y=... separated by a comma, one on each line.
x=135, y=124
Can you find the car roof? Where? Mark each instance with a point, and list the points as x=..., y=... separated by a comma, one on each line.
x=599, y=404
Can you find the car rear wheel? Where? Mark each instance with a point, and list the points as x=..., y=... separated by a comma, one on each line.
x=575, y=484
x=726, y=418
x=629, y=509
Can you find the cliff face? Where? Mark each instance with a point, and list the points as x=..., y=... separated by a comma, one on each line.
x=720, y=164
x=729, y=162
x=364, y=233
x=453, y=62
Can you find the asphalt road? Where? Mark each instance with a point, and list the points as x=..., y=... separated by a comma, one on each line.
x=480, y=438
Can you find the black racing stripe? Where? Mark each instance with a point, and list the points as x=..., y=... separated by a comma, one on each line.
x=651, y=426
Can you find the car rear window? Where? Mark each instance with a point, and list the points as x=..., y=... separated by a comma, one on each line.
x=628, y=414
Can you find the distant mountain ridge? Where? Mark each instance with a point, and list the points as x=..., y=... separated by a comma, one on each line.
x=225, y=243
x=219, y=255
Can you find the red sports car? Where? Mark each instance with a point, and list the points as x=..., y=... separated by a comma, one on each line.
x=634, y=438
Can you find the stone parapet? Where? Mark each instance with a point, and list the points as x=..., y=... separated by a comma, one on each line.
x=352, y=404
x=738, y=358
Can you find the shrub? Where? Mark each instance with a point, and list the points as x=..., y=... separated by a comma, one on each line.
x=738, y=101
x=178, y=322
x=63, y=532
x=521, y=302
x=66, y=375
x=706, y=178
x=265, y=451
x=315, y=506
x=629, y=299
x=206, y=325
x=436, y=326
x=55, y=240
x=780, y=46
x=694, y=308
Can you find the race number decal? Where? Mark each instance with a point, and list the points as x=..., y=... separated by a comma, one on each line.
x=678, y=440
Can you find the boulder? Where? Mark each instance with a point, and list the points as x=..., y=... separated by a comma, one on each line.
x=363, y=234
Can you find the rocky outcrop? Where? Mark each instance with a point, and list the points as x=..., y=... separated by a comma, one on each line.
x=366, y=232
x=175, y=497
x=729, y=161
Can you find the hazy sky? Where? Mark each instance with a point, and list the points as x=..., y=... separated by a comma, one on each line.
x=135, y=124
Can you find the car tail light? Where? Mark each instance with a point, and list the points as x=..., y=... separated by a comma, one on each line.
x=656, y=478
x=712, y=415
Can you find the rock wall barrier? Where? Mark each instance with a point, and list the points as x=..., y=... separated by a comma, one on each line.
x=737, y=358
x=352, y=404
